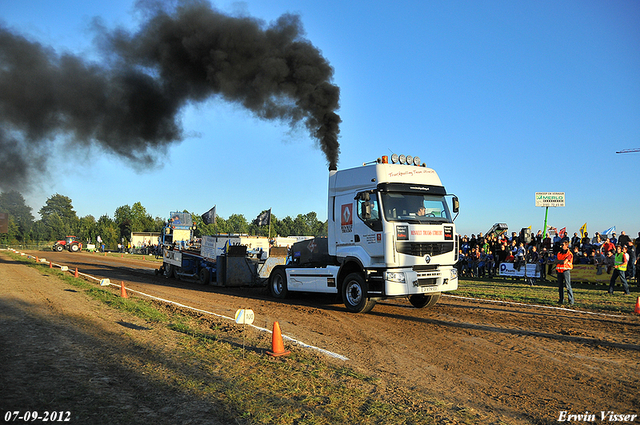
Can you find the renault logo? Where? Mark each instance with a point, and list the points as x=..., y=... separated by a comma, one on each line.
x=427, y=258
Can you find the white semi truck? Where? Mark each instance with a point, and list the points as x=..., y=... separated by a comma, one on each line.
x=390, y=234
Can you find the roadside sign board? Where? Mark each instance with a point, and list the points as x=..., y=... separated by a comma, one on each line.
x=245, y=317
x=550, y=199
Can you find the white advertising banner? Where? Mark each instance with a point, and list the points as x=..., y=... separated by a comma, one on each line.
x=507, y=270
x=208, y=247
x=550, y=199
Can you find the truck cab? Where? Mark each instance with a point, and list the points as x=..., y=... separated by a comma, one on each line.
x=390, y=234
x=178, y=230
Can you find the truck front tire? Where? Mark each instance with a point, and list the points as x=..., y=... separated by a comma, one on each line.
x=58, y=248
x=278, y=284
x=354, y=294
x=421, y=301
x=74, y=247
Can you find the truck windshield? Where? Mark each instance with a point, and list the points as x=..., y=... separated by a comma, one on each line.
x=415, y=207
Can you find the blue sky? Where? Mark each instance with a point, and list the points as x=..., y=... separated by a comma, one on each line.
x=503, y=99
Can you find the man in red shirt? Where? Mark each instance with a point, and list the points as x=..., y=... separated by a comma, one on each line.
x=564, y=264
x=607, y=246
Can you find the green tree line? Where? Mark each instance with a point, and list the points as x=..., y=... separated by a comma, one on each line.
x=58, y=219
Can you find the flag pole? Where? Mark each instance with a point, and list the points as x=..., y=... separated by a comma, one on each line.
x=544, y=232
x=269, y=237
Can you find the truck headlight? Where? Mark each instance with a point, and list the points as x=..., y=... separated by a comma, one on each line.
x=395, y=277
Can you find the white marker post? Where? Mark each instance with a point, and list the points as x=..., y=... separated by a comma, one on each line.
x=244, y=317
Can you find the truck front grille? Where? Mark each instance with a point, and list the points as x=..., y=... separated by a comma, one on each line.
x=425, y=267
x=420, y=249
x=431, y=281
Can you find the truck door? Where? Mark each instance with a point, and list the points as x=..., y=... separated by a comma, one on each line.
x=343, y=230
x=367, y=226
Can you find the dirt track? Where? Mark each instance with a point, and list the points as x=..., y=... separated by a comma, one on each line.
x=508, y=363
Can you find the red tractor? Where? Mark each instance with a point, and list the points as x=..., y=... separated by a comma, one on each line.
x=70, y=243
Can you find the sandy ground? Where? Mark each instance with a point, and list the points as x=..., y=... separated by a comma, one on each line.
x=507, y=363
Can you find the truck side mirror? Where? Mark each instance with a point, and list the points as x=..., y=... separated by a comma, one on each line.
x=366, y=210
x=364, y=199
x=456, y=204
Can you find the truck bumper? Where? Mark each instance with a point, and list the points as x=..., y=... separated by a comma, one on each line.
x=443, y=279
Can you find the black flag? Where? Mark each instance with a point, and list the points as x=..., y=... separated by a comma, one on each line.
x=263, y=219
x=210, y=216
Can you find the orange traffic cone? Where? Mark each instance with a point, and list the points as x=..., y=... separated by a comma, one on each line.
x=76, y=273
x=37, y=261
x=143, y=258
x=123, y=291
x=637, y=311
x=50, y=265
x=276, y=342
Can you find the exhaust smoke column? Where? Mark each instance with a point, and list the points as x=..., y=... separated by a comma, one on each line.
x=129, y=104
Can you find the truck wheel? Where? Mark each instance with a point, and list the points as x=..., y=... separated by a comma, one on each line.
x=421, y=301
x=58, y=248
x=204, y=277
x=169, y=271
x=74, y=248
x=354, y=294
x=278, y=284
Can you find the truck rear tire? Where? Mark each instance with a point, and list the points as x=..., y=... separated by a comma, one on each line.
x=204, y=277
x=422, y=301
x=278, y=284
x=169, y=271
x=354, y=294
x=74, y=247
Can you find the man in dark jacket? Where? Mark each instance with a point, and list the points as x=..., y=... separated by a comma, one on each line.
x=624, y=239
x=575, y=241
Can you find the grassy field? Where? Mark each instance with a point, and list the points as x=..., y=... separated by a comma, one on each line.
x=592, y=297
x=114, y=254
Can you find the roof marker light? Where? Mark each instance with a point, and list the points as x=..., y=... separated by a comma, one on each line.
x=394, y=158
x=409, y=160
x=403, y=159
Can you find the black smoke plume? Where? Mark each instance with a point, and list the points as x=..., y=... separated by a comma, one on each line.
x=129, y=103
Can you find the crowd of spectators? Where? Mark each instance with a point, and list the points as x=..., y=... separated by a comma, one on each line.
x=480, y=256
x=143, y=248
